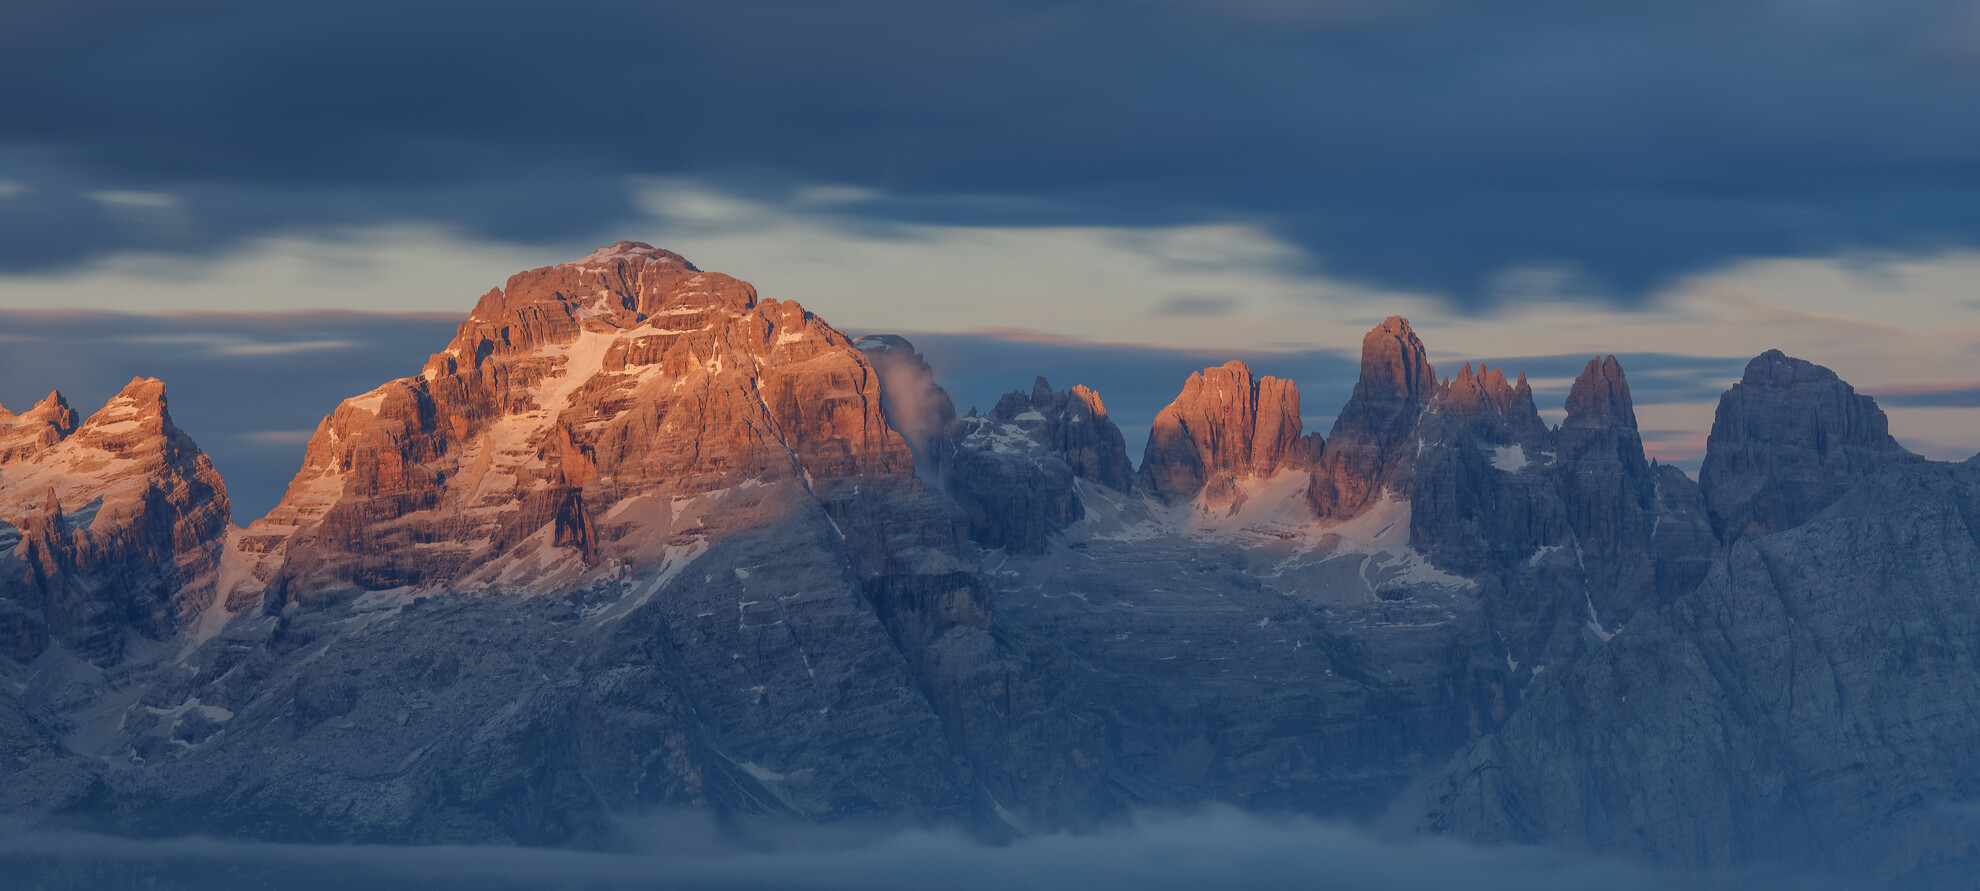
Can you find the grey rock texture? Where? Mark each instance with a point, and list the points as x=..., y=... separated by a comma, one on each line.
x=1788, y=439
x=1481, y=495
x=1812, y=702
x=1571, y=531
x=1012, y=470
x=1640, y=528
x=1227, y=425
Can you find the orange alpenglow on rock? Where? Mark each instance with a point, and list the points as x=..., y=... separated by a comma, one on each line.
x=555, y=440
x=1227, y=425
x=121, y=519
x=1369, y=453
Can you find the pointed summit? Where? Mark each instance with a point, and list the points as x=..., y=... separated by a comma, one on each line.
x=123, y=517
x=1368, y=451
x=1600, y=397
x=47, y=423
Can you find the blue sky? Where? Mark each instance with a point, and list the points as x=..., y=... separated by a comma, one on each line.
x=1529, y=181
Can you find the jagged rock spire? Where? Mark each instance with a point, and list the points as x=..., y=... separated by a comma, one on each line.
x=1369, y=451
x=1600, y=397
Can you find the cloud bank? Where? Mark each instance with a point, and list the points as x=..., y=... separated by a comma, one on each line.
x=1215, y=849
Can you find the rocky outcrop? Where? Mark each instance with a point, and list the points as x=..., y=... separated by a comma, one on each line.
x=1371, y=450
x=1571, y=531
x=109, y=527
x=1483, y=505
x=1480, y=496
x=1012, y=470
x=1812, y=703
x=25, y=435
x=1788, y=440
x=1226, y=426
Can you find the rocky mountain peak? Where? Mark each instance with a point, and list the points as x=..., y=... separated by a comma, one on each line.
x=1370, y=450
x=1090, y=399
x=39, y=427
x=1486, y=392
x=1226, y=425
x=1787, y=440
x=547, y=446
x=120, y=520
x=1013, y=470
x=1600, y=397
x=1395, y=368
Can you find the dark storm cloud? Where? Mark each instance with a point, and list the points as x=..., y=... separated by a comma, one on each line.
x=1431, y=144
x=1219, y=849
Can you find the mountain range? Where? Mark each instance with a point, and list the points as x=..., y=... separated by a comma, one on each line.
x=638, y=539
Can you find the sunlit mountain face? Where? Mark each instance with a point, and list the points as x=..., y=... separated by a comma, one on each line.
x=1141, y=445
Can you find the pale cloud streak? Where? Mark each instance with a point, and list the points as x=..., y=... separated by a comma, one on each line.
x=1887, y=323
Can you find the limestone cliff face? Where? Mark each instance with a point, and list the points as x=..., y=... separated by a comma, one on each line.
x=1787, y=441
x=1640, y=530
x=552, y=443
x=1371, y=450
x=1812, y=703
x=1480, y=496
x=108, y=527
x=24, y=435
x=1227, y=425
x=1012, y=470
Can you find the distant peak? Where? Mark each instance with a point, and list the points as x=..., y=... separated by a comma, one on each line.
x=1396, y=325
x=1600, y=397
x=52, y=409
x=1090, y=398
x=146, y=390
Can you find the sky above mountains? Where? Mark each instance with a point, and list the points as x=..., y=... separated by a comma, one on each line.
x=1171, y=180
